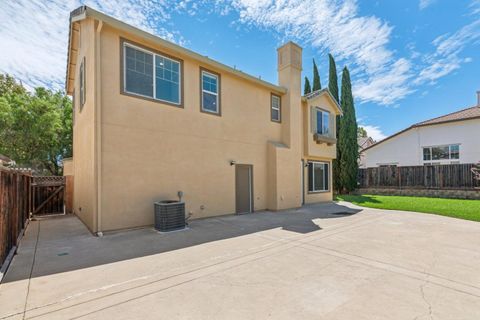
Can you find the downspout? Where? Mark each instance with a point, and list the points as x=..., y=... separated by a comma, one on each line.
x=98, y=126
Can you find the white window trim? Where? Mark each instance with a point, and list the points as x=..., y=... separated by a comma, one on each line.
x=439, y=146
x=313, y=176
x=127, y=44
x=276, y=108
x=214, y=76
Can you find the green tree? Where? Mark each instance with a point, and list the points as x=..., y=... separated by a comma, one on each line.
x=362, y=133
x=316, y=78
x=348, y=137
x=307, y=89
x=332, y=77
x=333, y=88
x=35, y=128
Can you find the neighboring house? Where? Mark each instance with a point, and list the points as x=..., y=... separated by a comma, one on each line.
x=363, y=142
x=452, y=138
x=153, y=118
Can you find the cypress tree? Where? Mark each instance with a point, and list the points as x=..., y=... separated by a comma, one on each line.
x=316, y=78
x=348, y=137
x=333, y=88
x=332, y=77
x=307, y=89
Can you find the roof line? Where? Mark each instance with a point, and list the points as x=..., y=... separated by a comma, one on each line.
x=89, y=12
x=445, y=115
x=319, y=92
x=417, y=125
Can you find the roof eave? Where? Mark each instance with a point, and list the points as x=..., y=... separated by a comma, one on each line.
x=89, y=12
x=329, y=95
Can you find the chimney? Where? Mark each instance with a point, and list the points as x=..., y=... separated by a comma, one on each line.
x=289, y=76
x=478, y=98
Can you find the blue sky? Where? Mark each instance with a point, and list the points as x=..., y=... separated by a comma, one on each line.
x=410, y=60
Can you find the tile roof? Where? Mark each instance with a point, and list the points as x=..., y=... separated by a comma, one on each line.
x=462, y=115
x=465, y=114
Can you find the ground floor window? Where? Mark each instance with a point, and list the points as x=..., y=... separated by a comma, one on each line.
x=318, y=176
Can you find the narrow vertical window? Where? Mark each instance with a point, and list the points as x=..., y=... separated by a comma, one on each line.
x=275, y=108
x=323, y=122
x=73, y=107
x=82, y=84
x=210, y=92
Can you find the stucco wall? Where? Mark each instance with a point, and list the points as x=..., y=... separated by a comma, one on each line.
x=148, y=151
x=406, y=148
x=151, y=150
x=83, y=131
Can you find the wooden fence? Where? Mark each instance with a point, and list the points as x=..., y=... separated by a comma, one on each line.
x=450, y=176
x=14, y=208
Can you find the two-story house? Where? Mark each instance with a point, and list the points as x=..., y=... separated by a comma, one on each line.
x=152, y=118
x=448, y=139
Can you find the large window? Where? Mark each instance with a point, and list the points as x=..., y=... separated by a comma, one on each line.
x=322, y=122
x=151, y=75
x=447, y=152
x=318, y=176
x=210, y=91
x=275, y=112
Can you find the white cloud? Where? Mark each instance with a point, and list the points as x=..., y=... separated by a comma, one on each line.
x=425, y=3
x=336, y=26
x=34, y=34
x=447, y=56
x=374, y=132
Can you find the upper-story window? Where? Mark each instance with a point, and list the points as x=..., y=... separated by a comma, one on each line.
x=446, y=152
x=323, y=122
x=151, y=75
x=210, y=92
x=276, y=106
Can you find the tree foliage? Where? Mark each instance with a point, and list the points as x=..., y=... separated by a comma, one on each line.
x=35, y=127
x=362, y=133
x=316, y=78
x=307, y=89
x=348, y=137
x=333, y=88
x=332, y=78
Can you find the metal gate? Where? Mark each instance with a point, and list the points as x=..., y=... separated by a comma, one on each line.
x=48, y=195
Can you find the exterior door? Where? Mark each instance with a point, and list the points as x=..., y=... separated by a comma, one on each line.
x=244, y=188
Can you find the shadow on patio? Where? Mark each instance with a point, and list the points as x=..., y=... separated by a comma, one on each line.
x=64, y=244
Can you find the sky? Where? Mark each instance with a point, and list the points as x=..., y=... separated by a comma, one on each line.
x=409, y=60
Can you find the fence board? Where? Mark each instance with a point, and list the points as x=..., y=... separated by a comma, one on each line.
x=450, y=176
x=14, y=208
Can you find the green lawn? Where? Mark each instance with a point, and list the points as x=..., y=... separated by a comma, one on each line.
x=457, y=208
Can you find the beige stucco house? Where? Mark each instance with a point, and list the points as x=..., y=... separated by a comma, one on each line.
x=152, y=118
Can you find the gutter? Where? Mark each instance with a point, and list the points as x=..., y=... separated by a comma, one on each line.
x=84, y=11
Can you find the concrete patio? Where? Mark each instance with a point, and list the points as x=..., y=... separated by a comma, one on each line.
x=328, y=261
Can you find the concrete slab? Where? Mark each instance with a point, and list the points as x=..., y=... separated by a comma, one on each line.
x=326, y=261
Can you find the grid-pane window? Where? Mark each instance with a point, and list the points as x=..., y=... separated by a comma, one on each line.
x=210, y=101
x=167, y=79
x=446, y=152
x=318, y=176
x=151, y=75
x=275, y=108
x=138, y=72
